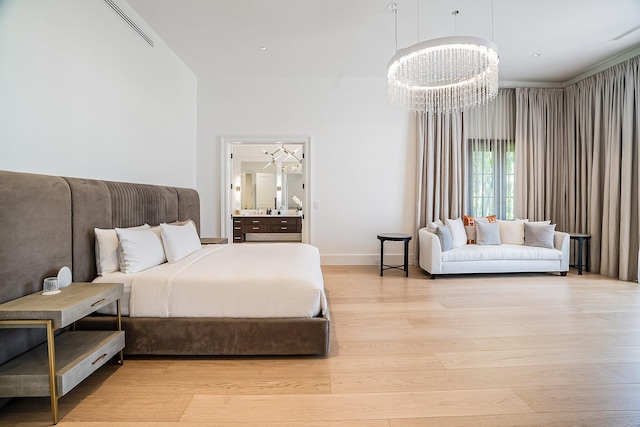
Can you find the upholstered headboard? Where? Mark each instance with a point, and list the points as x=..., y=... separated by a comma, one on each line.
x=47, y=222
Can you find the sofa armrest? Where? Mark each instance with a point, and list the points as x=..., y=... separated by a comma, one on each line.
x=561, y=242
x=430, y=252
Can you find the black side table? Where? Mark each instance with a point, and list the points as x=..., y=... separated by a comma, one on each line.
x=580, y=238
x=395, y=237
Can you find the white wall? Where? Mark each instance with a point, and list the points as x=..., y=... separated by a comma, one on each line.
x=82, y=94
x=362, y=155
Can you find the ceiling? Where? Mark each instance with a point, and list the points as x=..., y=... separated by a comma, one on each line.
x=356, y=38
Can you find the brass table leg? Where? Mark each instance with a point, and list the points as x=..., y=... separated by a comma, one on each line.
x=53, y=389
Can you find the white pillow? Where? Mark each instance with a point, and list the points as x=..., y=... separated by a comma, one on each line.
x=107, y=250
x=141, y=249
x=458, y=233
x=512, y=232
x=432, y=226
x=179, y=240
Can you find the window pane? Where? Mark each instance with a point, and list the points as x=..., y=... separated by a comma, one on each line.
x=491, y=178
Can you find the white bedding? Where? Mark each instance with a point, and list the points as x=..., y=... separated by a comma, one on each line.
x=236, y=280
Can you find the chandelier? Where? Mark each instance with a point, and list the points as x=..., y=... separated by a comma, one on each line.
x=444, y=74
x=281, y=155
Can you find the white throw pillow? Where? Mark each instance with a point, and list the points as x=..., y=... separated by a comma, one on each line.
x=512, y=232
x=458, y=233
x=432, y=226
x=107, y=250
x=179, y=240
x=141, y=249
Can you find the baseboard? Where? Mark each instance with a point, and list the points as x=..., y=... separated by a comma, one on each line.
x=364, y=259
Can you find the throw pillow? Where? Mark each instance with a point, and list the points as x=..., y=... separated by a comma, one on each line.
x=488, y=233
x=459, y=235
x=540, y=235
x=470, y=225
x=512, y=232
x=432, y=226
x=444, y=235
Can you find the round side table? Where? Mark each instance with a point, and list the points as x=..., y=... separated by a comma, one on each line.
x=395, y=237
x=580, y=238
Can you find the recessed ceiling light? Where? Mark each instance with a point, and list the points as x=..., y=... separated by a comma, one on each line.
x=263, y=48
x=535, y=55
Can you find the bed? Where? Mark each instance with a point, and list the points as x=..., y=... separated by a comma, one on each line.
x=49, y=222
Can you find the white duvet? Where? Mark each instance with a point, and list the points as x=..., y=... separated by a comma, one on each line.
x=237, y=280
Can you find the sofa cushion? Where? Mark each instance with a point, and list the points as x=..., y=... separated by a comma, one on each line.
x=500, y=252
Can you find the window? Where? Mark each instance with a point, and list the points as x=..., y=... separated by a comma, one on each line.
x=491, y=177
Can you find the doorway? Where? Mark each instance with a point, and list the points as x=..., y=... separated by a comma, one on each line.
x=265, y=174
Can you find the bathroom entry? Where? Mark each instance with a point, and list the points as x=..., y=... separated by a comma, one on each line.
x=261, y=174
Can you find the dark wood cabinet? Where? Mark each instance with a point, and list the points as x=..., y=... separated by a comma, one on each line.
x=264, y=224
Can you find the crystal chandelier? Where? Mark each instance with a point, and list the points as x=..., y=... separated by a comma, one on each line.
x=443, y=75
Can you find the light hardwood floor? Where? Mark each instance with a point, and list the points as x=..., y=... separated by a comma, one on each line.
x=485, y=350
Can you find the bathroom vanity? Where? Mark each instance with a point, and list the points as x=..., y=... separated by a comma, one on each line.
x=267, y=228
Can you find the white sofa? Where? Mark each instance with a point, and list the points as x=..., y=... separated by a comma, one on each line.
x=502, y=258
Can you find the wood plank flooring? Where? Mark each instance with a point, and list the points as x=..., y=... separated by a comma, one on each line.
x=483, y=350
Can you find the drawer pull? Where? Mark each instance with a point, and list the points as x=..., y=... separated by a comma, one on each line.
x=256, y=228
x=255, y=221
x=238, y=238
x=284, y=221
x=97, y=302
x=284, y=228
x=99, y=359
x=238, y=228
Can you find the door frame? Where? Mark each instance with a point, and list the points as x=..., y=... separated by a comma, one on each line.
x=227, y=143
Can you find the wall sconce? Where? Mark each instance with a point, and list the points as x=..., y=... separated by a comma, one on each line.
x=237, y=188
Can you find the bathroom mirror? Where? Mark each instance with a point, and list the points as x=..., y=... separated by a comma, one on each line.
x=268, y=176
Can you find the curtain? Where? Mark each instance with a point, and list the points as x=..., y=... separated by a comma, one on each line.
x=541, y=159
x=489, y=134
x=603, y=115
x=443, y=154
x=440, y=168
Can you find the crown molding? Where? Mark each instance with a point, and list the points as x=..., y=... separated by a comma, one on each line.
x=601, y=66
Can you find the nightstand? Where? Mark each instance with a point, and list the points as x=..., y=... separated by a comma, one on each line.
x=66, y=359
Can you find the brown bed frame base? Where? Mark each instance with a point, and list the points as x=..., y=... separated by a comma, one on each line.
x=184, y=336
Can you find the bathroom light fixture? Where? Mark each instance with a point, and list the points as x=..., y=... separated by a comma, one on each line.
x=444, y=74
x=281, y=155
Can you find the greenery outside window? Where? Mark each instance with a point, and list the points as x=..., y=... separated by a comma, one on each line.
x=491, y=175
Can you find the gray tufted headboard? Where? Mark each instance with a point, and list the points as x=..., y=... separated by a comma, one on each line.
x=47, y=222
